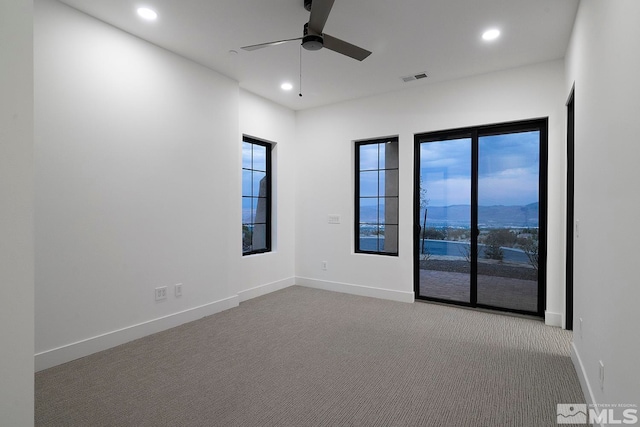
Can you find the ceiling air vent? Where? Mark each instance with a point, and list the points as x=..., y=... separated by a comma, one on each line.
x=413, y=77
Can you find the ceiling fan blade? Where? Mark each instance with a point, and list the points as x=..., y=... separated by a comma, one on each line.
x=319, y=13
x=261, y=45
x=345, y=48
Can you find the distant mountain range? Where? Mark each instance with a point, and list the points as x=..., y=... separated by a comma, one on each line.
x=459, y=216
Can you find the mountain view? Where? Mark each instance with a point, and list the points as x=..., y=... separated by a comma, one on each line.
x=458, y=216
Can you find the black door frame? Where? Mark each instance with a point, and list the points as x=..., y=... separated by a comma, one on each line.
x=570, y=209
x=474, y=133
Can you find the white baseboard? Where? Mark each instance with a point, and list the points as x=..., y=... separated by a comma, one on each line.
x=582, y=376
x=258, y=291
x=67, y=353
x=553, y=319
x=364, y=291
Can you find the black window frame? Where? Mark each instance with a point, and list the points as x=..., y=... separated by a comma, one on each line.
x=475, y=133
x=358, y=197
x=268, y=196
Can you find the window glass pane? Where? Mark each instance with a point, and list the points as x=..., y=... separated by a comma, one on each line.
x=247, y=234
x=369, y=210
x=381, y=182
x=391, y=210
x=389, y=182
x=260, y=211
x=247, y=213
x=390, y=158
x=246, y=155
x=254, y=208
x=368, y=157
x=259, y=157
x=389, y=239
x=368, y=184
x=508, y=167
x=259, y=237
x=259, y=184
x=381, y=155
x=246, y=182
x=368, y=237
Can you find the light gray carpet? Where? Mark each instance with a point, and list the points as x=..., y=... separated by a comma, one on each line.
x=305, y=357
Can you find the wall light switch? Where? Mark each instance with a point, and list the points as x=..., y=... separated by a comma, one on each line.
x=334, y=219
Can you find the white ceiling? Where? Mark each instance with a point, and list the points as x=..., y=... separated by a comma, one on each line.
x=441, y=37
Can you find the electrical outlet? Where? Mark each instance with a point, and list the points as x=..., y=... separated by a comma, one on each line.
x=324, y=265
x=178, y=289
x=161, y=293
x=601, y=364
x=333, y=219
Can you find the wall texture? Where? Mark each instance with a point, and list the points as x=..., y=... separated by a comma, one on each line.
x=16, y=220
x=603, y=63
x=262, y=273
x=135, y=150
x=325, y=172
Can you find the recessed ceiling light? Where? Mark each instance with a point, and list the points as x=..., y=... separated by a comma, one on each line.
x=491, y=34
x=148, y=14
x=286, y=86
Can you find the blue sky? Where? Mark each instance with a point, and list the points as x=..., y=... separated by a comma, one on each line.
x=507, y=170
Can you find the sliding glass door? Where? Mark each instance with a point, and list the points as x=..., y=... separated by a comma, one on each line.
x=445, y=218
x=480, y=216
x=508, y=220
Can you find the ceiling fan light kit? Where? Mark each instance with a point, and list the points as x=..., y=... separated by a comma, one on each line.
x=314, y=39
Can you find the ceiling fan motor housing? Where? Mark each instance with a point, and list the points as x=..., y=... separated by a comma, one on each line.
x=311, y=41
x=307, y=5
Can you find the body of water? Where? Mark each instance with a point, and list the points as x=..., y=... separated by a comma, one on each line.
x=446, y=248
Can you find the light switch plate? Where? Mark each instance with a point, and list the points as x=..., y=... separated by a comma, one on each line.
x=334, y=219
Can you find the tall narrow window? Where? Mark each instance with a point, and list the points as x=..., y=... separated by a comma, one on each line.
x=256, y=196
x=377, y=196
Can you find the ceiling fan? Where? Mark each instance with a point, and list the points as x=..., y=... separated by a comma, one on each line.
x=314, y=39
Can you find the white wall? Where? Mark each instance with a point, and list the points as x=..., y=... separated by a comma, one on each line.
x=16, y=220
x=262, y=273
x=325, y=172
x=135, y=150
x=603, y=62
x=137, y=176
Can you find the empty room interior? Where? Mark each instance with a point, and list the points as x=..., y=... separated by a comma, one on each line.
x=316, y=213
